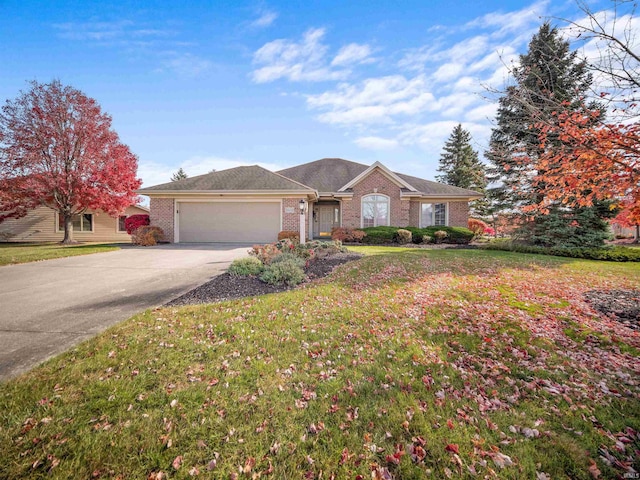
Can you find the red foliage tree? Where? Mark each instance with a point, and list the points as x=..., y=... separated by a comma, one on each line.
x=629, y=218
x=57, y=149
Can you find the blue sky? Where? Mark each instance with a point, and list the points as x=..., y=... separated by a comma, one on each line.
x=216, y=84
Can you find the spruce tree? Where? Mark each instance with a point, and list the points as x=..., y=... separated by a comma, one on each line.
x=547, y=76
x=461, y=167
x=179, y=175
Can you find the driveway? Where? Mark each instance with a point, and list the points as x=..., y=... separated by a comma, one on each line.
x=47, y=307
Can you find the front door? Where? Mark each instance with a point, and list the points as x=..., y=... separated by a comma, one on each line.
x=328, y=217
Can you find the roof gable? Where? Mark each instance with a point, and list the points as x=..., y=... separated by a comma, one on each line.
x=385, y=171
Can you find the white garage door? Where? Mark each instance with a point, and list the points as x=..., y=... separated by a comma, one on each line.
x=255, y=222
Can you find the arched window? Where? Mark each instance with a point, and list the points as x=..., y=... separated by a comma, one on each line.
x=375, y=210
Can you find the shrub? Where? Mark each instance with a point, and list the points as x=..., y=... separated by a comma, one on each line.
x=289, y=257
x=440, y=235
x=427, y=239
x=324, y=248
x=147, y=236
x=290, y=235
x=611, y=254
x=403, y=236
x=265, y=253
x=344, y=234
x=286, y=271
x=244, y=267
x=379, y=235
x=478, y=227
x=133, y=222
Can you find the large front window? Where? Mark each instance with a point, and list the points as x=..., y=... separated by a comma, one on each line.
x=433, y=214
x=375, y=211
x=81, y=223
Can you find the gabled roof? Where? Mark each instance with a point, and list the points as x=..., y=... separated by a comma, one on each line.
x=325, y=175
x=332, y=175
x=251, y=178
x=385, y=171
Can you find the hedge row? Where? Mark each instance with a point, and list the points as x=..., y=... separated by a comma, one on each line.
x=610, y=254
x=382, y=235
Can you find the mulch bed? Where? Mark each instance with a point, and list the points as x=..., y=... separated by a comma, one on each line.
x=229, y=287
x=623, y=305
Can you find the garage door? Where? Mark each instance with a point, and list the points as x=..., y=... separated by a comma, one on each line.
x=255, y=222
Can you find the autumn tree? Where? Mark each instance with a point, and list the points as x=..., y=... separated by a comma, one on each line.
x=461, y=167
x=57, y=149
x=547, y=75
x=179, y=175
x=597, y=158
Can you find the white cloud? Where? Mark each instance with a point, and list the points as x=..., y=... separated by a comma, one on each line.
x=376, y=143
x=376, y=100
x=503, y=24
x=265, y=19
x=295, y=61
x=351, y=54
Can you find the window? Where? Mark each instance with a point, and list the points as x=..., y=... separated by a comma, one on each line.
x=433, y=214
x=121, y=225
x=375, y=211
x=81, y=223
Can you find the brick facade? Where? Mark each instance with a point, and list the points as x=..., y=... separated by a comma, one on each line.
x=161, y=215
x=291, y=221
x=458, y=214
x=376, y=182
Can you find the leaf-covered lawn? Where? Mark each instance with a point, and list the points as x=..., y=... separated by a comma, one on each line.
x=409, y=364
x=29, y=252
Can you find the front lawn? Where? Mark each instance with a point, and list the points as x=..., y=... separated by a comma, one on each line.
x=11, y=253
x=410, y=363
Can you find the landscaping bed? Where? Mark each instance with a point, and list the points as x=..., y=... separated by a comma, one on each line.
x=228, y=286
x=623, y=305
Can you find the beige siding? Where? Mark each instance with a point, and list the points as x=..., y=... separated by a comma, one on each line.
x=40, y=225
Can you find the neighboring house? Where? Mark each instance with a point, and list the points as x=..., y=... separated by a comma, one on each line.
x=42, y=224
x=252, y=204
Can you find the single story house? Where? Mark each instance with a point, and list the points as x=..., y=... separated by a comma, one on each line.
x=43, y=224
x=252, y=204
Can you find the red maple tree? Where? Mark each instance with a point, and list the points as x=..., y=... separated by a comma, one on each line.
x=57, y=149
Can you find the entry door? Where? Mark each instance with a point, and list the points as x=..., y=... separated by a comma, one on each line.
x=327, y=219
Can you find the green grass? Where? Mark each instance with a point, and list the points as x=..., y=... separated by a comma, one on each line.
x=11, y=253
x=404, y=351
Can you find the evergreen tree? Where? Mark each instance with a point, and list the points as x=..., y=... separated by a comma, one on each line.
x=179, y=175
x=461, y=167
x=548, y=75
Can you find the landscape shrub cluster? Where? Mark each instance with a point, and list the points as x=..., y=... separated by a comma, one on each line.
x=344, y=234
x=283, y=262
x=133, y=222
x=290, y=234
x=439, y=234
x=611, y=254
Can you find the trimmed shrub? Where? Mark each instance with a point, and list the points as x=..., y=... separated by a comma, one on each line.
x=285, y=272
x=379, y=235
x=147, y=236
x=289, y=234
x=427, y=239
x=265, y=253
x=344, y=234
x=244, y=267
x=610, y=254
x=289, y=257
x=133, y=222
x=403, y=236
x=440, y=235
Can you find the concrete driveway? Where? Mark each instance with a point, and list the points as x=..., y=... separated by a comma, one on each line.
x=47, y=307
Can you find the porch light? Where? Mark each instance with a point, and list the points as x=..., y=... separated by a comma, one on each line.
x=301, y=204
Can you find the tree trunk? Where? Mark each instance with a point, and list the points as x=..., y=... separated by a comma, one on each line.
x=637, y=239
x=68, y=230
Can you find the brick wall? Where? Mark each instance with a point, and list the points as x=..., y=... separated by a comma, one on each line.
x=291, y=221
x=399, y=209
x=458, y=214
x=414, y=214
x=161, y=215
